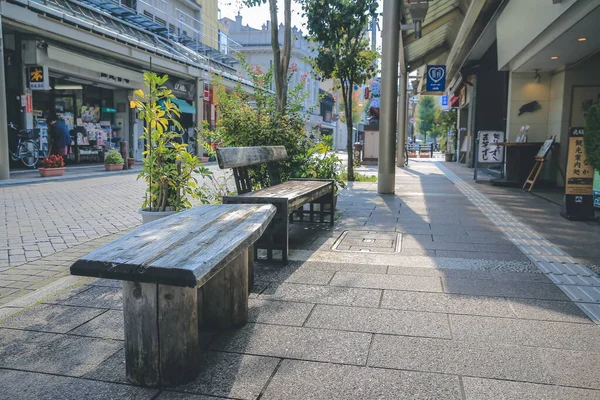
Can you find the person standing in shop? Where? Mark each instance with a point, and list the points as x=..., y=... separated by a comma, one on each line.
x=59, y=134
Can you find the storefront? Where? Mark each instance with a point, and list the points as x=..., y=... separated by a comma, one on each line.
x=93, y=103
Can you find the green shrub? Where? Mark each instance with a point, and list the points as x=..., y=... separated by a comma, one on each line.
x=113, y=157
x=592, y=136
x=359, y=177
x=253, y=120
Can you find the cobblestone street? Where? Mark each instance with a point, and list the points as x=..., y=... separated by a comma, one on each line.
x=47, y=225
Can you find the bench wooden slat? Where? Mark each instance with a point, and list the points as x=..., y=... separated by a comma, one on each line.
x=186, y=249
x=296, y=193
x=234, y=157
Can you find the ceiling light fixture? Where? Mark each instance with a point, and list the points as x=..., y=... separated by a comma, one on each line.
x=68, y=87
x=554, y=58
x=581, y=39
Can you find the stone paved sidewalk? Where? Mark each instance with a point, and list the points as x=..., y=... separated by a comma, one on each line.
x=426, y=298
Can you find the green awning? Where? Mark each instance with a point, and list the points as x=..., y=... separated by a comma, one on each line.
x=184, y=106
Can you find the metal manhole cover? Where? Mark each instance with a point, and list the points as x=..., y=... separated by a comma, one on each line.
x=368, y=242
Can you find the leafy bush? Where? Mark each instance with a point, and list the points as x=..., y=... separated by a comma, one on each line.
x=168, y=167
x=54, y=161
x=359, y=177
x=592, y=136
x=253, y=120
x=113, y=157
x=322, y=163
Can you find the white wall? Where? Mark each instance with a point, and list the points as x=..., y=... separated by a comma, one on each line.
x=522, y=21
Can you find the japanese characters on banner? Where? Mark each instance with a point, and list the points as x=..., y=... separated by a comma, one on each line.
x=488, y=151
x=578, y=204
x=580, y=174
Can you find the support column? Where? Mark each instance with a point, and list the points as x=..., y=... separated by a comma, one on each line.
x=199, y=117
x=402, y=111
x=389, y=91
x=4, y=158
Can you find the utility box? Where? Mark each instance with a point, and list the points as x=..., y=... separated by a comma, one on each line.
x=371, y=145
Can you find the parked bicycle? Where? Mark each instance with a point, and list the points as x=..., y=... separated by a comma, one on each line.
x=27, y=148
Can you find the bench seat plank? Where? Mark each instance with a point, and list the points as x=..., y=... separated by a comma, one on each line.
x=296, y=192
x=186, y=249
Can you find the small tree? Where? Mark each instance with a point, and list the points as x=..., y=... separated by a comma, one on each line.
x=281, y=60
x=426, y=115
x=592, y=136
x=339, y=28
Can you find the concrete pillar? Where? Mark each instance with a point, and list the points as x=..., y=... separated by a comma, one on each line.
x=4, y=157
x=402, y=111
x=199, y=117
x=392, y=10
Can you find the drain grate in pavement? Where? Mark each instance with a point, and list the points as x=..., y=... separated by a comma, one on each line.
x=368, y=242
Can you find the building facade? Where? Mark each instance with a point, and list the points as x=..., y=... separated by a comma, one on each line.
x=84, y=61
x=255, y=44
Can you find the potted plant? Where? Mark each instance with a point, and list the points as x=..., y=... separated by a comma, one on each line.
x=113, y=161
x=130, y=160
x=168, y=168
x=52, y=166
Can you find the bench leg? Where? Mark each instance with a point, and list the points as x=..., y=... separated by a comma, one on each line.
x=161, y=334
x=250, y=268
x=223, y=300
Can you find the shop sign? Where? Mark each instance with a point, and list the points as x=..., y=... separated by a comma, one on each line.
x=444, y=101
x=182, y=89
x=114, y=79
x=375, y=89
x=436, y=78
x=39, y=78
x=28, y=103
x=488, y=149
x=580, y=180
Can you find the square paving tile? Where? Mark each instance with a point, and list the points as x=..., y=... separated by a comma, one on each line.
x=107, y=326
x=547, y=310
x=231, y=375
x=394, y=322
x=299, y=343
x=278, y=312
x=345, y=267
x=446, y=303
x=485, y=389
x=394, y=282
x=51, y=318
x=322, y=294
x=525, y=332
x=572, y=368
x=454, y=357
x=97, y=296
x=30, y=385
x=307, y=380
x=527, y=290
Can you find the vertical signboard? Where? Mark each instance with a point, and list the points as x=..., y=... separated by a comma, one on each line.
x=578, y=202
x=436, y=78
x=488, y=149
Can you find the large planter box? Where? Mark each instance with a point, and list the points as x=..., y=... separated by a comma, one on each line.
x=424, y=155
x=45, y=172
x=130, y=162
x=113, y=167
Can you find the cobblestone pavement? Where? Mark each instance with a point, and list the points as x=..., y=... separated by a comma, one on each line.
x=43, y=220
x=451, y=309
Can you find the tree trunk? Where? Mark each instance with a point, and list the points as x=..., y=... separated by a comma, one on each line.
x=347, y=95
x=281, y=62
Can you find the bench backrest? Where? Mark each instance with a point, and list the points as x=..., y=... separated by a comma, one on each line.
x=240, y=158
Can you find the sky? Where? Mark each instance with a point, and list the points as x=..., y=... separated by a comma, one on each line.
x=257, y=16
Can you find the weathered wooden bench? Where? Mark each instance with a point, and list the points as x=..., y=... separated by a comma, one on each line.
x=288, y=197
x=179, y=274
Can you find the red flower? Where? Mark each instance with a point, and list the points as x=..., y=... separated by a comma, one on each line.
x=54, y=161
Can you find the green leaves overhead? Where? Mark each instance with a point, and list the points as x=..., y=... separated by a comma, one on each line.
x=339, y=30
x=592, y=136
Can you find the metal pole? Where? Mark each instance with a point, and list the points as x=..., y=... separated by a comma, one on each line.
x=389, y=91
x=199, y=117
x=4, y=158
x=402, y=111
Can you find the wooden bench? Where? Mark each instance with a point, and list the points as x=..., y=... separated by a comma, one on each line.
x=288, y=197
x=179, y=273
